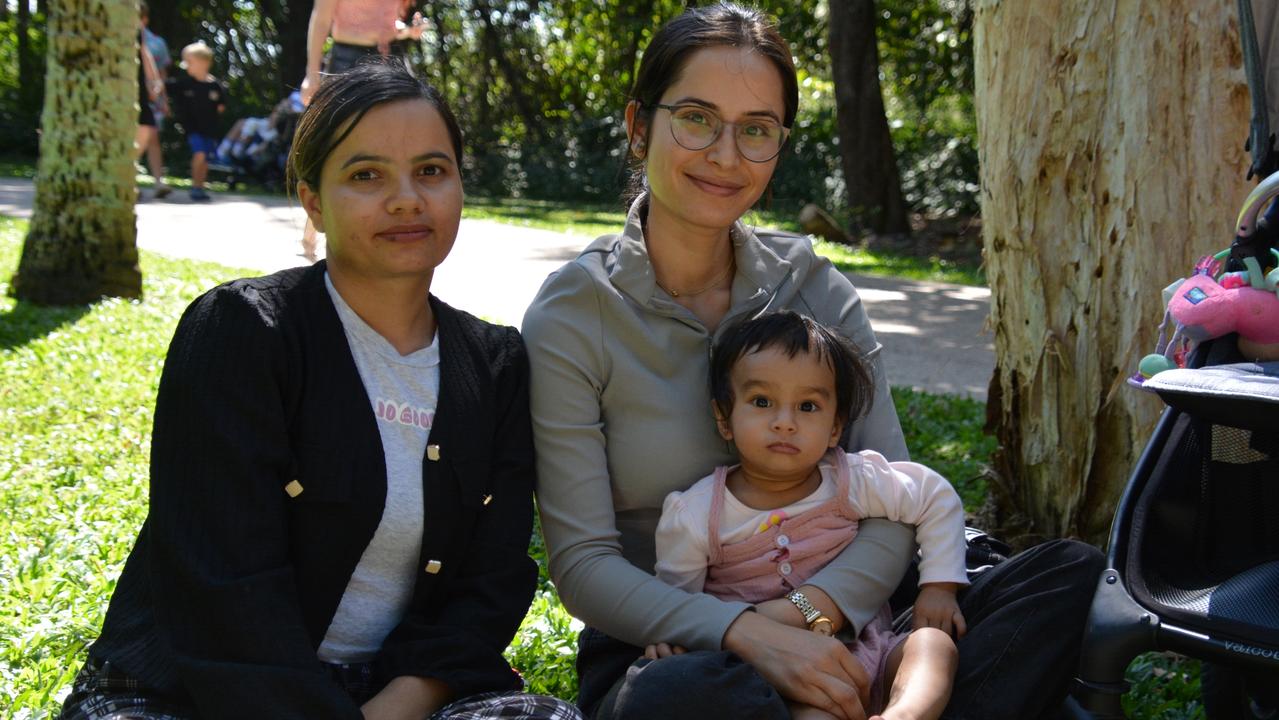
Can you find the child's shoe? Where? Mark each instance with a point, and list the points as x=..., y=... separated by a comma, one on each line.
x=199, y=195
x=162, y=191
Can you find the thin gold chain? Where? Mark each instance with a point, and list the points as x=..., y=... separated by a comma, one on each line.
x=718, y=278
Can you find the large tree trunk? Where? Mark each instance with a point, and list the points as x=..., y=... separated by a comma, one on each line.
x=26, y=64
x=865, y=145
x=1111, y=135
x=81, y=243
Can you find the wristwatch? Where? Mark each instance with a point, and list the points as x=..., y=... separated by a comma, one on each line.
x=805, y=607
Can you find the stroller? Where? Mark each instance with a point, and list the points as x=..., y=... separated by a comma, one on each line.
x=256, y=149
x=1193, y=562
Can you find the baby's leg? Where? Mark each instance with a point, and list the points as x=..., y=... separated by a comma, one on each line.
x=921, y=671
x=799, y=711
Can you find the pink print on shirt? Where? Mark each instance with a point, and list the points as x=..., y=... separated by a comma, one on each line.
x=404, y=414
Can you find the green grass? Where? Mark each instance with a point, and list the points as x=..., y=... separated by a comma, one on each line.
x=584, y=219
x=884, y=264
x=75, y=411
x=18, y=167
x=593, y=220
x=944, y=432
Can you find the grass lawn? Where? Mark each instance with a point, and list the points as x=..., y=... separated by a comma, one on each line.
x=75, y=411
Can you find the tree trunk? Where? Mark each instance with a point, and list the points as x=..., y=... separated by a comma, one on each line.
x=1111, y=146
x=26, y=64
x=81, y=243
x=517, y=82
x=865, y=145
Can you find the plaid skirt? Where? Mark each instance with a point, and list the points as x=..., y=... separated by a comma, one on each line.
x=103, y=692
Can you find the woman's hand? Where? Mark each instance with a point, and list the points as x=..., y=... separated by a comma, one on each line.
x=407, y=698
x=803, y=666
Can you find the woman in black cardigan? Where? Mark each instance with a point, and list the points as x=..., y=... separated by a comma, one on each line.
x=341, y=468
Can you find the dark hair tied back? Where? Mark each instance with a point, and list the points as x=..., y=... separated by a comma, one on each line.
x=342, y=101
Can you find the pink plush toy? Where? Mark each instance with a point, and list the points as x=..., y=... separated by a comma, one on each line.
x=1210, y=304
x=1206, y=309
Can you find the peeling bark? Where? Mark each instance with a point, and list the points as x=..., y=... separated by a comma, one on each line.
x=1111, y=147
x=81, y=244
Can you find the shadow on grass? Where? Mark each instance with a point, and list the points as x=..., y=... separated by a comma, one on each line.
x=27, y=321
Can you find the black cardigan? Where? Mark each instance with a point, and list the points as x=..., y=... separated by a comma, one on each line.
x=233, y=582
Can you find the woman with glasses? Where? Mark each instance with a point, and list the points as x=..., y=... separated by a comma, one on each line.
x=619, y=343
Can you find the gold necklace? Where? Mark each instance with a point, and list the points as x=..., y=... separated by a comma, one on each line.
x=718, y=278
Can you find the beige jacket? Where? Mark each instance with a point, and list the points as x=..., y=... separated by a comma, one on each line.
x=621, y=418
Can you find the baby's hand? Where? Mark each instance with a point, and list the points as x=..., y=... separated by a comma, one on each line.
x=661, y=650
x=937, y=607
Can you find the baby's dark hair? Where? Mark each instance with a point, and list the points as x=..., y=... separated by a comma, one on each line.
x=793, y=334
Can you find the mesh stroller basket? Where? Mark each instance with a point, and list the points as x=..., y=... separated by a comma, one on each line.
x=1205, y=533
x=1194, y=550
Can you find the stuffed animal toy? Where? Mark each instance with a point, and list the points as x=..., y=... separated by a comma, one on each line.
x=1210, y=304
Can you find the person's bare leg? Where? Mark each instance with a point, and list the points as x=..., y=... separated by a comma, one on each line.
x=155, y=162
x=308, y=241
x=921, y=672
x=141, y=138
x=199, y=169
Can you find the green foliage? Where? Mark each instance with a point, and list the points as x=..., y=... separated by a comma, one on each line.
x=20, y=103
x=545, y=648
x=926, y=58
x=945, y=433
x=1165, y=686
x=540, y=89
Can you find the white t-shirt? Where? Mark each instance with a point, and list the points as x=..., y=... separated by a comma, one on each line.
x=403, y=390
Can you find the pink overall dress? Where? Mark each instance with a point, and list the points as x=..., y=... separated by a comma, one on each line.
x=774, y=562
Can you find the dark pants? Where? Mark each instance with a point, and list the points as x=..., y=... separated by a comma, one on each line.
x=344, y=56
x=1025, y=623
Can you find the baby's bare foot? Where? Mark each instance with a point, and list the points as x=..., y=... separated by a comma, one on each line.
x=901, y=713
x=808, y=712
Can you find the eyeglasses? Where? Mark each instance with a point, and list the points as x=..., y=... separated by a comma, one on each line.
x=696, y=128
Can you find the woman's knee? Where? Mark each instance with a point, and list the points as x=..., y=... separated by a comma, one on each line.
x=1075, y=563
x=696, y=685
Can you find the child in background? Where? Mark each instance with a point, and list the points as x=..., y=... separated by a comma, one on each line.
x=199, y=98
x=783, y=387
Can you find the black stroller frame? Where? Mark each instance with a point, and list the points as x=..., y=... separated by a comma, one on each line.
x=1193, y=557
x=1120, y=627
